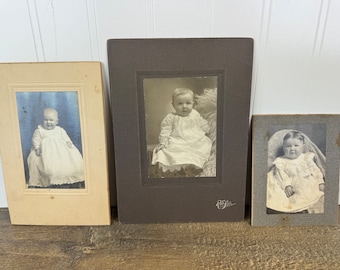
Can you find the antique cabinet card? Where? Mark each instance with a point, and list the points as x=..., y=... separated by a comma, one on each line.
x=295, y=170
x=53, y=143
x=180, y=122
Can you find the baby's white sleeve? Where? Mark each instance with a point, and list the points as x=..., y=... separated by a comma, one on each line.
x=282, y=178
x=315, y=170
x=166, y=128
x=64, y=136
x=36, y=139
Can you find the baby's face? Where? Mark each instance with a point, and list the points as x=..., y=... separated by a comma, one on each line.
x=293, y=148
x=183, y=104
x=50, y=120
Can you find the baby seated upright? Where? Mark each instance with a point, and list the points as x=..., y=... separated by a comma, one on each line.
x=183, y=145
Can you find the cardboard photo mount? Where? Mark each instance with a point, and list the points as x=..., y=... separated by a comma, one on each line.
x=142, y=199
x=320, y=133
x=59, y=204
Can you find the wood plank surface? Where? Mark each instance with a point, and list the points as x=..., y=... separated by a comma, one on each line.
x=168, y=246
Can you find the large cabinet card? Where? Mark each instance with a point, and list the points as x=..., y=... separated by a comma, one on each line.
x=180, y=122
x=295, y=170
x=53, y=143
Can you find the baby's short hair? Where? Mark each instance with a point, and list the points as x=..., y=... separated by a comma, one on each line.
x=51, y=110
x=295, y=135
x=181, y=91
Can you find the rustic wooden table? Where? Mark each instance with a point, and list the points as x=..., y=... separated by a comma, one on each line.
x=168, y=246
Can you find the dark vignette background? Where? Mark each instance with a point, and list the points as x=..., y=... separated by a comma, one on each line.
x=316, y=132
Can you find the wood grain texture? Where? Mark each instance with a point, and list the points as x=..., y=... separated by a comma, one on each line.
x=168, y=246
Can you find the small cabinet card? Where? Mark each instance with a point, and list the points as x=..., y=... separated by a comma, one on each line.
x=295, y=169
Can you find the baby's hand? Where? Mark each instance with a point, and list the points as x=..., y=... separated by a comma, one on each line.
x=69, y=144
x=322, y=187
x=38, y=151
x=289, y=191
x=159, y=147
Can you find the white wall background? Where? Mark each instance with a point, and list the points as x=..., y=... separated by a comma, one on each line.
x=297, y=43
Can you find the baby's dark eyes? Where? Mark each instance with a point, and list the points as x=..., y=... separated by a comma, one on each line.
x=296, y=145
x=187, y=103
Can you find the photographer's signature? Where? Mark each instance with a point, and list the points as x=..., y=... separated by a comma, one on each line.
x=222, y=204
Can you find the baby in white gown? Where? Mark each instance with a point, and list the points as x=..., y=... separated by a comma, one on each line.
x=54, y=161
x=183, y=144
x=295, y=183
